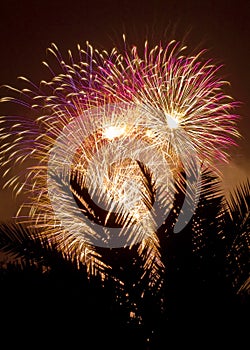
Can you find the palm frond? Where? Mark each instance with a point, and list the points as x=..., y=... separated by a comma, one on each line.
x=237, y=229
x=95, y=211
x=27, y=246
x=20, y=242
x=207, y=220
x=146, y=255
x=238, y=204
x=149, y=184
x=210, y=185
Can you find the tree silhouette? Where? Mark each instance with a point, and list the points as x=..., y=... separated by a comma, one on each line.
x=201, y=289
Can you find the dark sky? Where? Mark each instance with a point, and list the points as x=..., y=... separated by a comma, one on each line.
x=28, y=27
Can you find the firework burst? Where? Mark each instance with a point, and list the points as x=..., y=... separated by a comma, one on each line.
x=180, y=93
x=111, y=132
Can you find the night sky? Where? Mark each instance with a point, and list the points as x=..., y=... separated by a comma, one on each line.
x=28, y=27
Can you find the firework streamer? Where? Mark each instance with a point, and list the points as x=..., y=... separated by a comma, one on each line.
x=111, y=135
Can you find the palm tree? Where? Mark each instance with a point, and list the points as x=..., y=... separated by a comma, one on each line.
x=237, y=228
x=50, y=289
x=202, y=282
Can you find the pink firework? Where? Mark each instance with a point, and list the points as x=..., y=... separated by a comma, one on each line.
x=171, y=104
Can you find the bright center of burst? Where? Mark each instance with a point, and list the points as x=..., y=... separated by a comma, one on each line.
x=113, y=131
x=173, y=122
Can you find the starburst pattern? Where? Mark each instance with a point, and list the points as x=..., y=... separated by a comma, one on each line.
x=116, y=127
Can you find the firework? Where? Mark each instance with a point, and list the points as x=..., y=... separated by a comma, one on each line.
x=179, y=92
x=111, y=132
